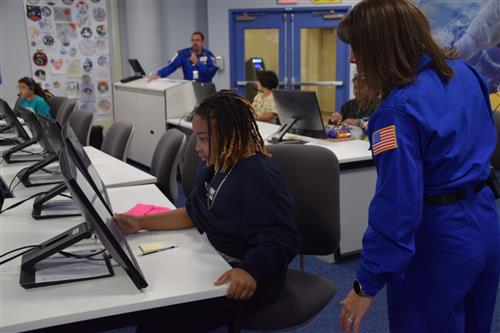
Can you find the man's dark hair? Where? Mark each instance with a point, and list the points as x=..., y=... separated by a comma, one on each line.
x=237, y=135
x=268, y=79
x=199, y=33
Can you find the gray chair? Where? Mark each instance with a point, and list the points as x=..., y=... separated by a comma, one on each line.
x=117, y=140
x=81, y=122
x=313, y=180
x=166, y=158
x=55, y=103
x=65, y=110
x=495, y=159
x=190, y=165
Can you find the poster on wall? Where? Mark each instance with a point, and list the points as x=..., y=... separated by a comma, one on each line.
x=473, y=29
x=70, y=50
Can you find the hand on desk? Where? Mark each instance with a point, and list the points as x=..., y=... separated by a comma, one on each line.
x=129, y=223
x=154, y=77
x=242, y=285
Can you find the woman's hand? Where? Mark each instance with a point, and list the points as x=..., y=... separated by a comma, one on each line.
x=130, y=224
x=352, y=122
x=242, y=285
x=353, y=312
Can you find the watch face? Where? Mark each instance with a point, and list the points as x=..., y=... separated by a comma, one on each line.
x=357, y=287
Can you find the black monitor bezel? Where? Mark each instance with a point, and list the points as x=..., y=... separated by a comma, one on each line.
x=12, y=121
x=136, y=66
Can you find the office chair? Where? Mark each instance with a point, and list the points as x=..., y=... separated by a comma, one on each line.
x=189, y=167
x=65, y=110
x=166, y=159
x=81, y=122
x=313, y=180
x=117, y=140
x=55, y=103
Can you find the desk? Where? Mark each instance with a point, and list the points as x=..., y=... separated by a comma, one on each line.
x=185, y=274
x=357, y=183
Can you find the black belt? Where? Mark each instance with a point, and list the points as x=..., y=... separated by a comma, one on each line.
x=452, y=197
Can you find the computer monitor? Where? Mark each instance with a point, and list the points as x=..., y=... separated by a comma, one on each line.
x=35, y=127
x=52, y=132
x=12, y=121
x=258, y=64
x=299, y=113
x=136, y=66
x=82, y=160
x=97, y=214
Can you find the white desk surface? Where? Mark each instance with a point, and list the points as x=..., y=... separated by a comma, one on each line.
x=346, y=151
x=181, y=275
x=155, y=85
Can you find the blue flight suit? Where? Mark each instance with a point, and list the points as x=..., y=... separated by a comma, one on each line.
x=441, y=263
x=205, y=67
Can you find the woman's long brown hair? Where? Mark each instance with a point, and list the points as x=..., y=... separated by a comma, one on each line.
x=388, y=37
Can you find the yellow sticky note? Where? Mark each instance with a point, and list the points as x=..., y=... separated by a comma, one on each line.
x=150, y=247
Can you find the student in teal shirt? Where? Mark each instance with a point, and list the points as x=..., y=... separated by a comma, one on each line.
x=32, y=97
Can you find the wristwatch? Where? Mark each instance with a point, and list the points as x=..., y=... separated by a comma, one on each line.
x=358, y=289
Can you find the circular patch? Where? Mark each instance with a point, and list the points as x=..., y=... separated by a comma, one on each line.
x=50, y=3
x=67, y=2
x=104, y=104
x=33, y=2
x=34, y=33
x=46, y=11
x=87, y=65
x=40, y=74
x=82, y=7
x=101, y=30
x=66, y=41
x=46, y=85
x=33, y=43
x=87, y=107
x=103, y=87
x=46, y=24
x=73, y=52
x=86, y=79
x=40, y=58
x=57, y=64
x=101, y=45
x=99, y=14
x=48, y=40
x=87, y=47
x=73, y=68
x=86, y=32
x=82, y=20
x=95, y=1
x=57, y=84
x=103, y=61
x=63, y=51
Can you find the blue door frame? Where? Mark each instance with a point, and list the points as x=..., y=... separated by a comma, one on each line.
x=289, y=21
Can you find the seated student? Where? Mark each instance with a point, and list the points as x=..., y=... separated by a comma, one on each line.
x=240, y=203
x=263, y=103
x=32, y=97
x=352, y=112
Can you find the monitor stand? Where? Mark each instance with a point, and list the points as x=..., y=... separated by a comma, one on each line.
x=24, y=174
x=9, y=156
x=48, y=248
x=278, y=136
x=41, y=203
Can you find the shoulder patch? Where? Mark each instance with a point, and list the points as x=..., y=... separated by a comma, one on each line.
x=384, y=139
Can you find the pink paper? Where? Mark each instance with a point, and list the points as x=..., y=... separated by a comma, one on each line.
x=142, y=209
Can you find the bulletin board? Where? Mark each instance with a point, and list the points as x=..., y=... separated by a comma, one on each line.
x=70, y=53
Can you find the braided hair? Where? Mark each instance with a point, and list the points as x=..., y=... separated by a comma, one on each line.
x=237, y=133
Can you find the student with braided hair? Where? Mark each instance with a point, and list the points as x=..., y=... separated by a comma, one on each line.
x=240, y=203
x=32, y=97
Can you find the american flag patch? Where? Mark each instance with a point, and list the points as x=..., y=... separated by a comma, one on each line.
x=384, y=139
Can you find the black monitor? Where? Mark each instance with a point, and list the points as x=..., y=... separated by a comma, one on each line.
x=299, y=113
x=136, y=66
x=80, y=157
x=12, y=121
x=97, y=214
x=52, y=132
x=35, y=127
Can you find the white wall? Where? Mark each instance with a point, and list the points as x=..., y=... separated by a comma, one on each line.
x=218, y=27
x=14, y=53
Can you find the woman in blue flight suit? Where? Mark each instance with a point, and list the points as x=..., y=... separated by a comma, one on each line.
x=197, y=62
x=433, y=234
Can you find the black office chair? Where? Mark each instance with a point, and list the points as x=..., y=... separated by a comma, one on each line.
x=495, y=159
x=81, y=122
x=65, y=110
x=166, y=158
x=55, y=103
x=117, y=140
x=189, y=168
x=313, y=180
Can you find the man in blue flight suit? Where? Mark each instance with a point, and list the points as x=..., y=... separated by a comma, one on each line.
x=197, y=63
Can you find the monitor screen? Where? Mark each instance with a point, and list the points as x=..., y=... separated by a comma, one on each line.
x=36, y=129
x=258, y=64
x=52, y=131
x=97, y=214
x=302, y=106
x=83, y=161
x=136, y=66
x=12, y=120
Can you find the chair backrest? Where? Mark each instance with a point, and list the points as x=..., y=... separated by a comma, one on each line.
x=117, y=139
x=190, y=164
x=312, y=174
x=81, y=122
x=495, y=159
x=55, y=103
x=166, y=158
x=65, y=110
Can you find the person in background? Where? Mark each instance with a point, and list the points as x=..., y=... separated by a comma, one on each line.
x=433, y=232
x=253, y=230
x=263, y=103
x=32, y=97
x=197, y=63
x=354, y=113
